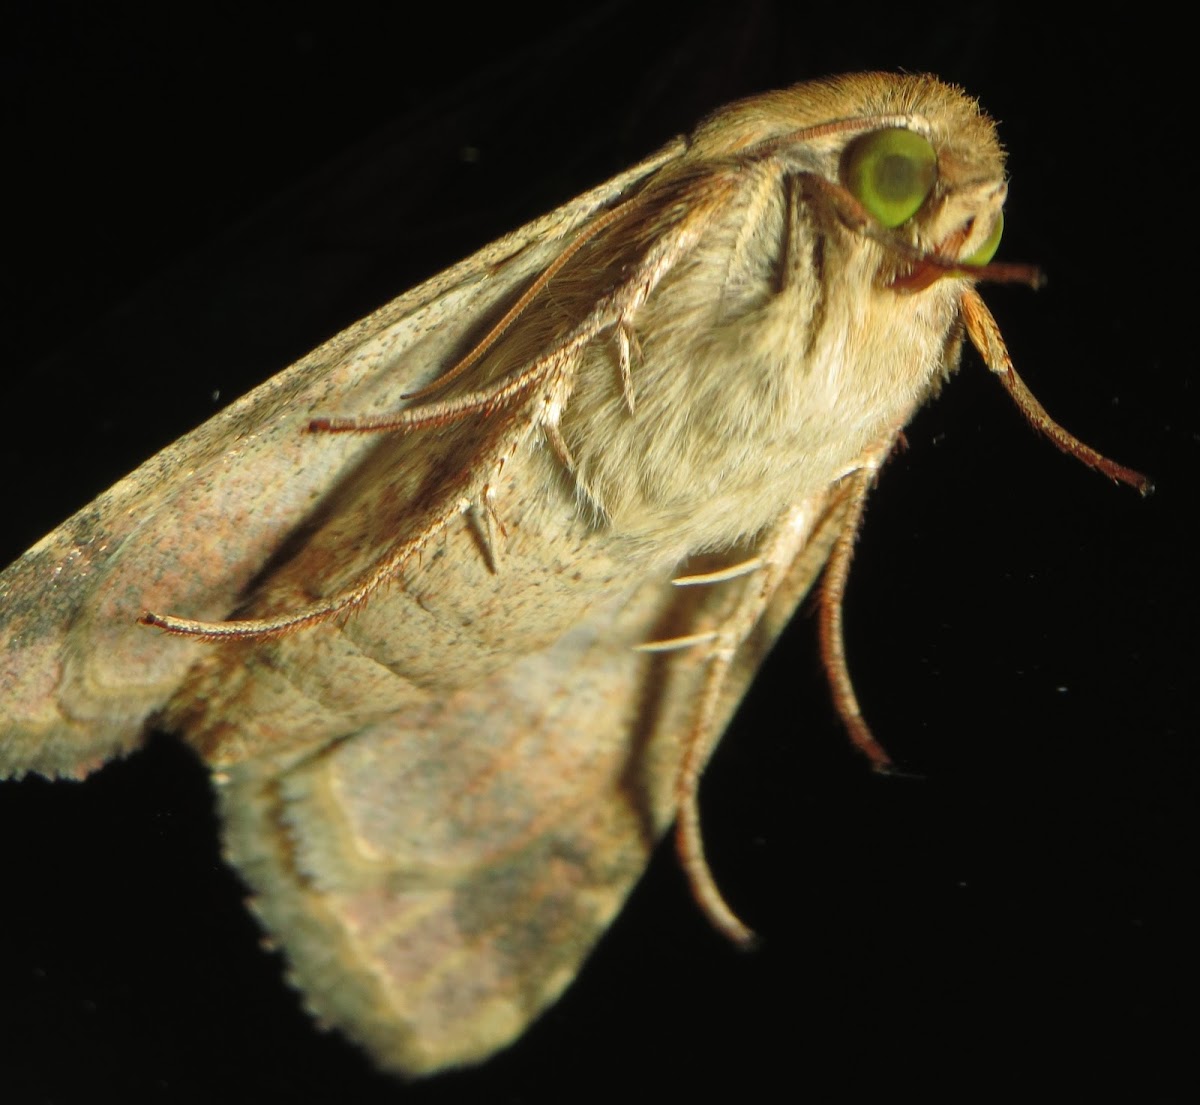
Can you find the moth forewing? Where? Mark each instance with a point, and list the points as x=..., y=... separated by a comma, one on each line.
x=443, y=750
x=80, y=677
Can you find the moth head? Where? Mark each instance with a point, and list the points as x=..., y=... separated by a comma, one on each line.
x=935, y=205
x=908, y=162
x=931, y=173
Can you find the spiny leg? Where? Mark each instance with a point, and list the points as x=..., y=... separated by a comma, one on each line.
x=780, y=550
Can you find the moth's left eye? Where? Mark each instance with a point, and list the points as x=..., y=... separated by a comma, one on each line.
x=890, y=172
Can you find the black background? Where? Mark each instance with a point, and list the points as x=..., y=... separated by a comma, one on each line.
x=196, y=198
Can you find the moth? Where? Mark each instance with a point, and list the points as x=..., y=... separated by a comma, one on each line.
x=457, y=607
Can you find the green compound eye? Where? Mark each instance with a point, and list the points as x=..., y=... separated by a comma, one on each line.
x=890, y=172
x=988, y=250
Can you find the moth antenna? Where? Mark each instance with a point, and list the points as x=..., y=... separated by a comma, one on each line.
x=447, y=411
x=558, y=362
x=313, y=613
x=485, y=401
x=246, y=628
x=833, y=644
x=986, y=337
x=620, y=303
x=510, y=316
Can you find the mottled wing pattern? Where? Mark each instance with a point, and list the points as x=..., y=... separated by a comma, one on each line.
x=438, y=879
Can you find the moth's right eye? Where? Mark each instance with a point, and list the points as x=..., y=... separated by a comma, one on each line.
x=890, y=172
x=990, y=244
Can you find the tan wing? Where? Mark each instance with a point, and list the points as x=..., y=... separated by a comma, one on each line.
x=438, y=878
x=194, y=525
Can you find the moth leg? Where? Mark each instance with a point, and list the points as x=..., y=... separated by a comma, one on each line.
x=492, y=512
x=780, y=550
x=833, y=645
x=485, y=523
x=678, y=644
x=985, y=335
x=628, y=350
x=558, y=445
x=721, y=575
